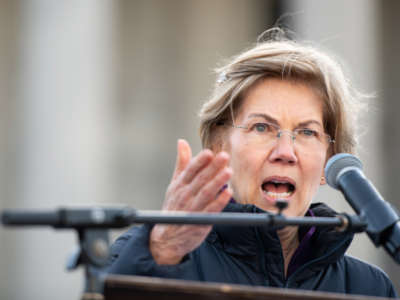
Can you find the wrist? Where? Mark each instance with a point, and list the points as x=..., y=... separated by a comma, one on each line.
x=163, y=256
x=163, y=252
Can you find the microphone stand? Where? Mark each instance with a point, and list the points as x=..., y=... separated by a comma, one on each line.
x=92, y=226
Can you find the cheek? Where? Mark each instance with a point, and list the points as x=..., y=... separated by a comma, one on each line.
x=314, y=163
x=243, y=157
x=244, y=165
x=238, y=162
x=312, y=179
x=313, y=172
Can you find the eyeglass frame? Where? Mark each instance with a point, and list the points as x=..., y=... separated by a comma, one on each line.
x=293, y=133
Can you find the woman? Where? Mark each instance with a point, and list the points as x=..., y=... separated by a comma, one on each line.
x=278, y=112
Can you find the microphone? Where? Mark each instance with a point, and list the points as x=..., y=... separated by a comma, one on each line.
x=344, y=172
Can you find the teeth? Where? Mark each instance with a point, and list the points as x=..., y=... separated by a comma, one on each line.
x=279, y=195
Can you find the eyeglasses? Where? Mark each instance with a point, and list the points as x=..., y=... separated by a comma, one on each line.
x=264, y=133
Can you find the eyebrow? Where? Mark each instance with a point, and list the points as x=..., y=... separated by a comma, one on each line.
x=274, y=121
x=264, y=116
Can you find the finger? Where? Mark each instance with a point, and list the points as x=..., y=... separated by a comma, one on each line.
x=179, y=201
x=210, y=191
x=219, y=204
x=184, y=155
x=196, y=165
x=207, y=174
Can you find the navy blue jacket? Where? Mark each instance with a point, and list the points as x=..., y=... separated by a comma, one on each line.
x=253, y=256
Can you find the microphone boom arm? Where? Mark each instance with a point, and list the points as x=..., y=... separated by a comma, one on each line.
x=92, y=225
x=123, y=217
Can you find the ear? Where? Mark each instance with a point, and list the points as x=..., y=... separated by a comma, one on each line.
x=220, y=142
x=323, y=180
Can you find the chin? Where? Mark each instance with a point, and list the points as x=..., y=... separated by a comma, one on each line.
x=267, y=207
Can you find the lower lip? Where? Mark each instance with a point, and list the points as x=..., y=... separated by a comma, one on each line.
x=272, y=200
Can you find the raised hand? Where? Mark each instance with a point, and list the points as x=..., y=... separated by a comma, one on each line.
x=195, y=187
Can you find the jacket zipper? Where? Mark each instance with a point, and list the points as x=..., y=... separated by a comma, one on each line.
x=261, y=253
x=262, y=258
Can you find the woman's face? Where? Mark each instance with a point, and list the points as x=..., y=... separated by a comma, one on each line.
x=280, y=168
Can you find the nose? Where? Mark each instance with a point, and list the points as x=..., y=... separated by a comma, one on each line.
x=283, y=149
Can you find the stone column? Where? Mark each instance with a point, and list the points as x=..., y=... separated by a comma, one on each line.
x=350, y=31
x=64, y=126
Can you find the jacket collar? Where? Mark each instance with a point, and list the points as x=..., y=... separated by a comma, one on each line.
x=242, y=240
x=326, y=245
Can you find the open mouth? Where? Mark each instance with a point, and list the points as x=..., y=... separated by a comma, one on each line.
x=278, y=188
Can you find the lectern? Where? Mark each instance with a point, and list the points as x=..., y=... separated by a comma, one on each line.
x=118, y=287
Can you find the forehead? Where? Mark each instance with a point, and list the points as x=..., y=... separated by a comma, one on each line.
x=283, y=100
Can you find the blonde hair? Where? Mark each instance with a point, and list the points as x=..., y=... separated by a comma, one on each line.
x=278, y=57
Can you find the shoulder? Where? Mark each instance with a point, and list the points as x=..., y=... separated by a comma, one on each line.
x=365, y=276
x=354, y=264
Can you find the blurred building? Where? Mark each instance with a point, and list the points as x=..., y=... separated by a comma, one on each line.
x=94, y=95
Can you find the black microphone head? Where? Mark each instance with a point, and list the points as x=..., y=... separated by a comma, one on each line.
x=338, y=163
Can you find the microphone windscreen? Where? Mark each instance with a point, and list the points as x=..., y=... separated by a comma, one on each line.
x=337, y=163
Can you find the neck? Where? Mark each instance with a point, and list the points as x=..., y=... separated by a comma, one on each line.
x=288, y=237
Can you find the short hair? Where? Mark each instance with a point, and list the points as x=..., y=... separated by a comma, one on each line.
x=281, y=58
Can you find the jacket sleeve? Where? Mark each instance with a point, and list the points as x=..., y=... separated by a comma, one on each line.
x=130, y=255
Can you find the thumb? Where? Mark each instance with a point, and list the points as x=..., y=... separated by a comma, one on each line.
x=183, y=157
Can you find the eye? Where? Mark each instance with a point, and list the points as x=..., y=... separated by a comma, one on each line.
x=261, y=127
x=306, y=132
